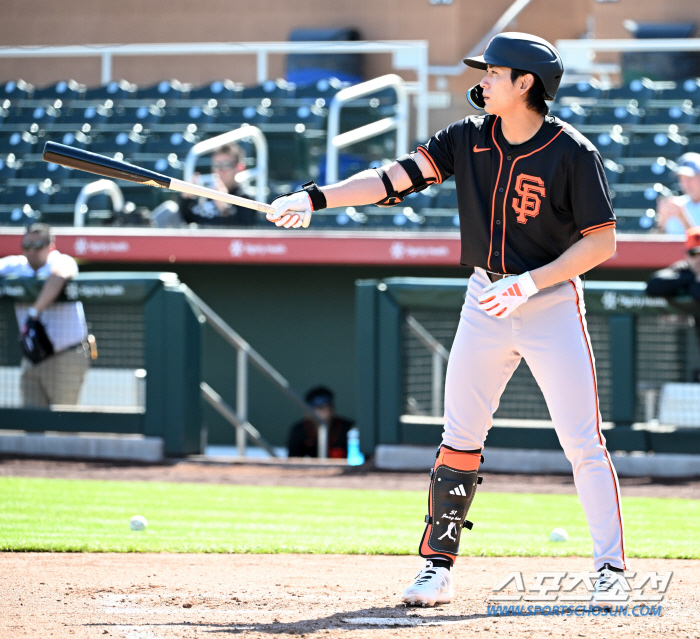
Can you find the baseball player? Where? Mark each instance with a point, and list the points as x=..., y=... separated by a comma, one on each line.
x=535, y=213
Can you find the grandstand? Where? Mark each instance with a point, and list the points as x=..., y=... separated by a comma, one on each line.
x=640, y=129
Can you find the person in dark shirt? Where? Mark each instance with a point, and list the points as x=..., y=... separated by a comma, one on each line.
x=682, y=277
x=303, y=435
x=227, y=162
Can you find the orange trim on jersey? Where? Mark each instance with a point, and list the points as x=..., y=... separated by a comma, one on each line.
x=493, y=201
x=428, y=157
x=505, y=197
x=597, y=422
x=590, y=229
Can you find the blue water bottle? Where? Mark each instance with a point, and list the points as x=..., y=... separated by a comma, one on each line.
x=355, y=457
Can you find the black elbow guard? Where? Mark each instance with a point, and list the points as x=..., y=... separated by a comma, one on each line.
x=418, y=182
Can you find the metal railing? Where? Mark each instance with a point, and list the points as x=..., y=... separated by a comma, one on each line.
x=258, y=173
x=406, y=55
x=98, y=187
x=398, y=122
x=440, y=355
x=245, y=354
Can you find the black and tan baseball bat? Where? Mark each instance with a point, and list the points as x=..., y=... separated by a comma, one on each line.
x=111, y=168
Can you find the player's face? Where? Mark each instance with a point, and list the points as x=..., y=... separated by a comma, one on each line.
x=501, y=95
x=36, y=249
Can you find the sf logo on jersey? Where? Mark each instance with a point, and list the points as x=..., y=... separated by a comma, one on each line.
x=529, y=188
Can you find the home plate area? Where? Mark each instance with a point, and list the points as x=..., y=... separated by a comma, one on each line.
x=144, y=596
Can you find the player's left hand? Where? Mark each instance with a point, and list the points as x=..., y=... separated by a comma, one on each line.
x=292, y=211
x=501, y=298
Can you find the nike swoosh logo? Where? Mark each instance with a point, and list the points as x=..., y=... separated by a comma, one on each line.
x=480, y=150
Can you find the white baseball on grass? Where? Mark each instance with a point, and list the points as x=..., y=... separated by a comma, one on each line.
x=559, y=534
x=138, y=522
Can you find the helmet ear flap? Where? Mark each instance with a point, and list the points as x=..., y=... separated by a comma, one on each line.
x=475, y=96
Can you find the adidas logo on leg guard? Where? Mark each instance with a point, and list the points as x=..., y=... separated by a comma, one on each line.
x=453, y=484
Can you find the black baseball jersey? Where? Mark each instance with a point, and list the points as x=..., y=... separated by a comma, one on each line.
x=521, y=207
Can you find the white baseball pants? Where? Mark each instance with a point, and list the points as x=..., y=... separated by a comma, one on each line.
x=550, y=332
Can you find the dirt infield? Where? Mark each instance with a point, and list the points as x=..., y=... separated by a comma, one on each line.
x=332, y=475
x=134, y=596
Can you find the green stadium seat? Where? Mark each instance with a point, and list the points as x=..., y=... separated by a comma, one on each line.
x=78, y=139
x=579, y=90
x=573, y=114
x=312, y=117
x=64, y=90
x=614, y=172
x=615, y=115
x=170, y=166
x=178, y=143
x=638, y=89
x=17, y=143
x=66, y=195
x=277, y=89
x=144, y=115
x=166, y=90
x=116, y=90
x=28, y=115
x=125, y=143
x=684, y=114
x=611, y=145
x=79, y=114
x=650, y=172
x=684, y=90
x=669, y=145
x=8, y=167
x=197, y=114
x=639, y=198
x=237, y=116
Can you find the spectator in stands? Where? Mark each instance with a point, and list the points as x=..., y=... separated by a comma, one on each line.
x=53, y=335
x=303, y=436
x=227, y=162
x=677, y=214
x=682, y=277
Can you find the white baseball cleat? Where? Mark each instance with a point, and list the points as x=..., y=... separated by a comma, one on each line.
x=431, y=586
x=606, y=588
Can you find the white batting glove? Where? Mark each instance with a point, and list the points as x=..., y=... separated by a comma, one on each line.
x=292, y=211
x=501, y=298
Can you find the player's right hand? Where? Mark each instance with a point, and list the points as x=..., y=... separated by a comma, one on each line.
x=292, y=211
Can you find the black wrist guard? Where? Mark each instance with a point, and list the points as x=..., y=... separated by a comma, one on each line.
x=318, y=200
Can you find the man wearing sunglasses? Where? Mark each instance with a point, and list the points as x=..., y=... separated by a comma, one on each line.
x=227, y=162
x=678, y=214
x=52, y=334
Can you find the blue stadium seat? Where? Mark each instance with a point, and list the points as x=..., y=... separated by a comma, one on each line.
x=64, y=90
x=79, y=114
x=125, y=143
x=651, y=172
x=573, y=114
x=614, y=172
x=325, y=88
x=43, y=170
x=236, y=116
x=279, y=89
x=642, y=198
x=426, y=199
x=312, y=117
x=684, y=114
x=115, y=90
x=166, y=89
x=196, y=114
x=143, y=115
x=8, y=167
x=611, y=145
x=35, y=194
x=40, y=115
x=17, y=143
x=668, y=145
x=178, y=143
x=170, y=166
x=218, y=90
x=66, y=195
x=685, y=90
x=637, y=89
x=615, y=115
x=78, y=139
x=16, y=90
x=579, y=90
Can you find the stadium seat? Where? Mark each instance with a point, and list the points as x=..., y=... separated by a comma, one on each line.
x=196, y=114
x=669, y=145
x=43, y=170
x=115, y=90
x=639, y=198
x=684, y=114
x=64, y=90
x=23, y=117
x=65, y=195
x=312, y=117
x=17, y=143
x=178, y=143
x=446, y=198
x=166, y=89
x=80, y=114
x=325, y=89
x=170, y=166
x=614, y=172
x=8, y=167
x=288, y=156
x=78, y=139
x=37, y=194
x=611, y=145
x=218, y=90
x=651, y=171
x=637, y=89
x=573, y=114
x=237, y=116
x=125, y=143
x=16, y=90
x=684, y=90
x=579, y=90
x=615, y=115
x=279, y=89
x=426, y=199
x=143, y=115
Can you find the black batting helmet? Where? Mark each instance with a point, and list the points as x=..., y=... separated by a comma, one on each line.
x=526, y=52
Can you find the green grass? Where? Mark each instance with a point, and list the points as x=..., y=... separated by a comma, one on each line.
x=70, y=515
